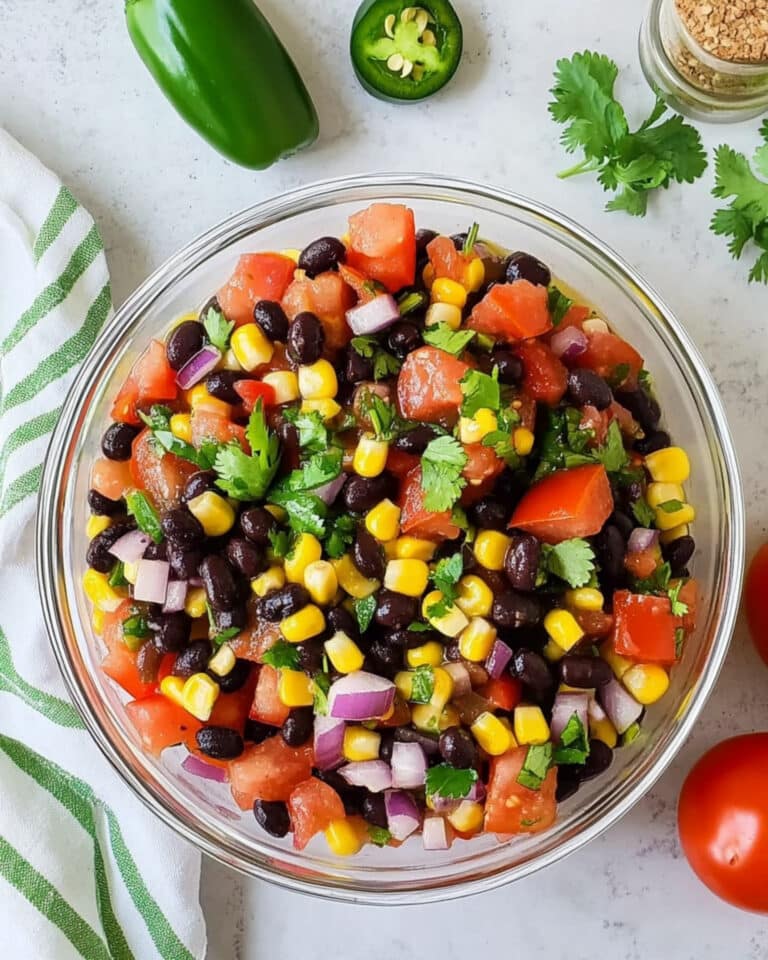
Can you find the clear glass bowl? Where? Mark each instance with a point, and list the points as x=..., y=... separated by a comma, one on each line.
x=203, y=812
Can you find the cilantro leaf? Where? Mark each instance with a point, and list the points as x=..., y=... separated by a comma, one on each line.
x=417, y=626
x=502, y=440
x=159, y=422
x=313, y=433
x=282, y=655
x=612, y=454
x=538, y=761
x=385, y=364
x=379, y=835
x=280, y=541
x=679, y=608
x=412, y=300
x=745, y=219
x=558, y=304
x=306, y=512
x=341, y=533
x=570, y=560
x=441, y=480
x=248, y=476
x=480, y=390
x=470, y=240
x=225, y=635
x=452, y=783
x=136, y=626
x=679, y=641
x=321, y=684
x=658, y=582
x=574, y=742
x=643, y=513
x=382, y=415
x=422, y=684
x=218, y=329
x=671, y=506
x=445, y=577
x=144, y=514
x=316, y=471
x=365, y=607
x=441, y=336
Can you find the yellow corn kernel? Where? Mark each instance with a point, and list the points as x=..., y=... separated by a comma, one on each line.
x=467, y=817
x=318, y=381
x=199, y=695
x=414, y=548
x=285, y=383
x=294, y=688
x=445, y=290
x=351, y=580
x=223, y=661
x=670, y=465
x=229, y=361
x=426, y=717
x=370, y=457
x=99, y=592
x=584, y=598
x=446, y=313
x=477, y=639
x=451, y=623
x=530, y=725
x=194, y=602
x=657, y=493
x=272, y=579
x=675, y=533
x=563, y=628
x=647, y=682
x=131, y=571
x=342, y=838
x=474, y=274
x=361, y=744
x=550, y=651
x=669, y=520
x=214, y=513
x=321, y=581
x=430, y=653
x=383, y=520
x=448, y=718
x=326, y=407
x=428, y=275
x=96, y=525
x=491, y=734
x=303, y=625
x=251, y=346
x=523, y=439
x=404, y=683
x=173, y=688
x=603, y=730
x=490, y=549
x=291, y=253
x=305, y=550
x=181, y=426
x=409, y=577
x=197, y=394
x=473, y=429
x=97, y=620
x=475, y=597
x=615, y=661
x=344, y=653
x=442, y=690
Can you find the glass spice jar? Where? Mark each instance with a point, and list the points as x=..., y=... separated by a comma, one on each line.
x=707, y=63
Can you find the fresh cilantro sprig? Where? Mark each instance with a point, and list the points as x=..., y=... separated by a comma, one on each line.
x=441, y=336
x=671, y=506
x=679, y=608
x=573, y=746
x=382, y=415
x=411, y=300
x=385, y=364
x=341, y=534
x=501, y=439
x=571, y=560
x=145, y=515
x=218, y=329
x=441, y=480
x=449, y=782
x=379, y=835
x=657, y=583
x=223, y=636
x=480, y=390
x=630, y=163
x=564, y=444
x=558, y=304
x=365, y=607
x=422, y=684
x=470, y=240
x=307, y=513
x=445, y=577
x=314, y=436
x=248, y=476
x=643, y=513
x=282, y=655
x=280, y=542
x=159, y=422
x=537, y=764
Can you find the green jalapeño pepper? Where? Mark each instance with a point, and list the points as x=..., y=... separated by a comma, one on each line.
x=223, y=68
x=401, y=52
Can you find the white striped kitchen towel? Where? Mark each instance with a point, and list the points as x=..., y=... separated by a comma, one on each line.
x=85, y=869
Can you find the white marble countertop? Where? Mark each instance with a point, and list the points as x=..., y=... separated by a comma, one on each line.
x=73, y=91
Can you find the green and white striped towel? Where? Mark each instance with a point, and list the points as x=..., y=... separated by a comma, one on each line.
x=85, y=869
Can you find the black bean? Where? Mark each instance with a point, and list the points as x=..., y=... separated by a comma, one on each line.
x=271, y=317
x=194, y=659
x=170, y=631
x=404, y=337
x=368, y=555
x=489, y=514
x=104, y=507
x=221, y=384
x=521, y=561
x=321, y=255
x=423, y=238
x=524, y=266
x=415, y=441
x=184, y=563
x=642, y=407
x=513, y=609
x=198, y=483
x=386, y=658
x=598, y=761
x=385, y=745
x=157, y=551
x=395, y=609
x=510, y=367
x=351, y=797
x=272, y=817
x=586, y=387
x=245, y=557
x=609, y=549
x=533, y=670
x=256, y=524
x=289, y=442
x=184, y=342
x=210, y=304
x=362, y=493
x=357, y=368
x=310, y=655
x=306, y=338
x=236, y=678
x=337, y=618
x=221, y=743
x=408, y=639
x=282, y=603
x=678, y=553
x=651, y=442
x=568, y=783
x=623, y=522
x=458, y=748
x=234, y=617
x=374, y=811
x=117, y=442
x=257, y=732
x=98, y=555
x=182, y=528
x=298, y=726
x=585, y=672
x=428, y=742
x=219, y=582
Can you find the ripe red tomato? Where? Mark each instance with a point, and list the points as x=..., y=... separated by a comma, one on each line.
x=722, y=816
x=428, y=385
x=513, y=808
x=545, y=378
x=257, y=276
x=756, y=607
x=565, y=504
x=415, y=519
x=512, y=311
x=382, y=244
x=313, y=806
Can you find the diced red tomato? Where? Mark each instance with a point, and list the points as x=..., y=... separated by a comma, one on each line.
x=162, y=476
x=606, y=354
x=504, y=693
x=545, y=378
x=365, y=288
x=382, y=244
x=512, y=808
x=151, y=380
x=120, y=663
x=446, y=260
x=644, y=627
x=268, y=771
x=428, y=387
x=399, y=462
x=111, y=478
x=231, y=709
x=595, y=420
x=267, y=705
x=482, y=464
x=165, y=667
x=642, y=563
x=594, y=623
x=329, y=298
x=689, y=595
x=566, y=504
x=125, y=403
x=211, y=425
x=512, y=311
x=312, y=806
x=251, y=391
x=627, y=423
x=415, y=520
x=161, y=723
x=257, y=276
x=257, y=637
x=574, y=317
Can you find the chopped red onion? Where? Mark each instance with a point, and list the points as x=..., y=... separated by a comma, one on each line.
x=131, y=546
x=175, y=595
x=328, y=743
x=460, y=676
x=360, y=696
x=568, y=343
x=409, y=765
x=434, y=834
x=376, y=315
x=329, y=491
x=446, y=805
x=374, y=775
x=498, y=659
x=199, y=768
x=641, y=539
x=198, y=366
x=564, y=707
x=595, y=711
x=621, y=707
x=402, y=813
x=151, y=580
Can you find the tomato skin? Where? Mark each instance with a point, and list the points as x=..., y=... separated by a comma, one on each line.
x=644, y=627
x=268, y=771
x=545, y=379
x=512, y=311
x=415, y=520
x=428, y=385
x=312, y=806
x=446, y=260
x=151, y=380
x=574, y=316
x=605, y=352
x=267, y=705
x=111, y=478
x=257, y=276
x=256, y=638
x=722, y=818
x=642, y=563
x=161, y=723
x=513, y=808
x=251, y=391
x=566, y=504
x=382, y=244
x=756, y=601
x=364, y=287
x=120, y=663
x=163, y=477
x=504, y=692
x=399, y=463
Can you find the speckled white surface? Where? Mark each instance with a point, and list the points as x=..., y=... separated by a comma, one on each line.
x=72, y=90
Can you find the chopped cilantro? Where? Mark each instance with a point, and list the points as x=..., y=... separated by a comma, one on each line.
x=630, y=734
x=570, y=560
x=382, y=415
x=452, y=783
x=413, y=300
x=480, y=390
x=574, y=743
x=671, y=506
x=136, y=626
x=679, y=609
x=282, y=655
x=365, y=607
x=441, y=480
x=422, y=684
x=313, y=433
x=384, y=363
x=117, y=576
x=565, y=444
x=441, y=336
x=379, y=835
x=658, y=582
x=445, y=576
x=145, y=514
x=679, y=641
x=341, y=533
x=643, y=513
x=618, y=375
x=280, y=541
x=501, y=439
x=225, y=635
x=645, y=380
x=159, y=422
x=538, y=761
x=218, y=329
x=470, y=240
x=243, y=476
x=306, y=512
x=419, y=627
x=612, y=454
x=558, y=304
x=321, y=684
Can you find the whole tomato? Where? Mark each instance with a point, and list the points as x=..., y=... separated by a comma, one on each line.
x=722, y=817
x=756, y=600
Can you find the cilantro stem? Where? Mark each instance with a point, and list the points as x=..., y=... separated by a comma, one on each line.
x=586, y=166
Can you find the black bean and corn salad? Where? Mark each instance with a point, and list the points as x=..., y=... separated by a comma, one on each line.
x=389, y=538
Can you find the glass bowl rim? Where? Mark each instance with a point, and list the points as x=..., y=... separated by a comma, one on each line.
x=189, y=258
